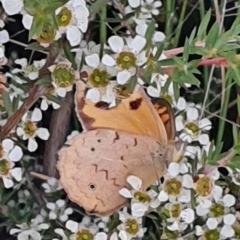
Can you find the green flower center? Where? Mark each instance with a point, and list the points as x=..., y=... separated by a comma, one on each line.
x=193, y=128
x=29, y=128
x=217, y=210
x=173, y=187
x=142, y=197
x=132, y=226
x=84, y=234
x=4, y=167
x=126, y=60
x=64, y=17
x=148, y=7
x=99, y=78
x=1, y=151
x=63, y=76
x=212, y=235
x=47, y=35
x=176, y=210
x=204, y=186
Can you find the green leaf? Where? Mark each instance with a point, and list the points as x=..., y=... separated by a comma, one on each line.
x=160, y=47
x=186, y=50
x=237, y=149
x=69, y=55
x=44, y=81
x=97, y=6
x=15, y=103
x=7, y=103
x=150, y=31
x=37, y=27
x=128, y=16
x=235, y=134
x=176, y=90
x=212, y=36
x=55, y=99
x=192, y=35
x=35, y=46
x=203, y=26
x=53, y=5
x=112, y=20
x=234, y=163
x=238, y=104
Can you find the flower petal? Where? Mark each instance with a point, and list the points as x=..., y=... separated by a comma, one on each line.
x=229, y=200
x=135, y=182
x=116, y=43
x=32, y=145
x=16, y=154
x=43, y=133
x=125, y=193
x=173, y=169
x=108, y=60
x=212, y=223
x=100, y=236
x=72, y=226
x=8, y=183
x=92, y=60
x=36, y=115
x=123, y=77
x=74, y=35
x=17, y=173
x=192, y=114
x=7, y=144
x=134, y=3
x=93, y=95
x=138, y=209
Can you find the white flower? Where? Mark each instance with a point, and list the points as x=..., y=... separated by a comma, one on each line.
x=30, y=71
x=194, y=127
x=125, y=58
x=26, y=231
x=58, y=210
x=9, y=154
x=73, y=20
x=175, y=186
x=130, y=228
x=63, y=77
x=52, y=185
x=141, y=200
x=28, y=129
x=180, y=216
x=79, y=229
x=215, y=209
x=150, y=7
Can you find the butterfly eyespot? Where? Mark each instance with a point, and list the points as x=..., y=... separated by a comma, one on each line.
x=92, y=149
x=92, y=186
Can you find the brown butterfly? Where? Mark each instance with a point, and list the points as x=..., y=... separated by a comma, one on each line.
x=134, y=138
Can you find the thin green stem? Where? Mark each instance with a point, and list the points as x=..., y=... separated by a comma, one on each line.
x=170, y=6
x=179, y=27
x=103, y=28
x=224, y=109
x=205, y=69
